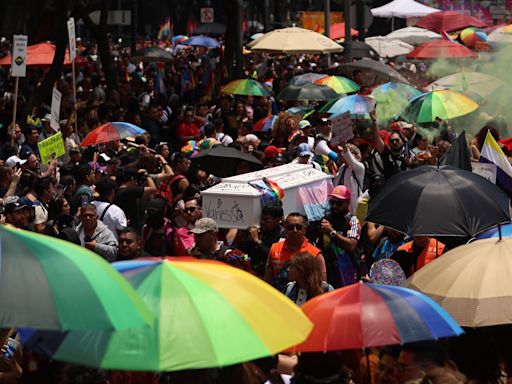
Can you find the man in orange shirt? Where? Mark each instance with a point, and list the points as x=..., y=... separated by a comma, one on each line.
x=282, y=252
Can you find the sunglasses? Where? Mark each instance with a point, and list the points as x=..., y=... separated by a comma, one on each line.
x=394, y=140
x=293, y=227
x=190, y=209
x=336, y=202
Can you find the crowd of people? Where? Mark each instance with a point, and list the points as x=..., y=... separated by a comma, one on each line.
x=142, y=197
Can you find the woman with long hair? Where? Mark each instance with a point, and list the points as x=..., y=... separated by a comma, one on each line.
x=305, y=279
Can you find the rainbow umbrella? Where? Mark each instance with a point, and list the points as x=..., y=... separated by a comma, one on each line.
x=381, y=92
x=340, y=84
x=391, y=99
x=209, y=314
x=471, y=36
x=358, y=106
x=367, y=315
x=47, y=283
x=178, y=39
x=246, y=87
x=105, y=133
x=265, y=124
x=443, y=104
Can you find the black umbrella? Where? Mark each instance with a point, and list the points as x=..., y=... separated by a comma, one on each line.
x=358, y=49
x=222, y=161
x=444, y=201
x=307, y=91
x=374, y=71
x=152, y=55
x=210, y=29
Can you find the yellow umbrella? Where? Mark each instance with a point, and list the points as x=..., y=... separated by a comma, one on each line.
x=471, y=282
x=294, y=40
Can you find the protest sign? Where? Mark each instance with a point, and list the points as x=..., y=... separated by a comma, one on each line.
x=342, y=130
x=51, y=148
x=55, y=112
x=19, y=56
x=72, y=39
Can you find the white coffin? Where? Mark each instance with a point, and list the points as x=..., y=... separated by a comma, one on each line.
x=234, y=203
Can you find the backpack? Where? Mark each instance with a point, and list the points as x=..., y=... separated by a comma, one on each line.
x=374, y=174
x=164, y=190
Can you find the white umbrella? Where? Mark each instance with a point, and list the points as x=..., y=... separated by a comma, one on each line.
x=473, y=82
x=497, y=36
x=294, y=40
x=414, y=35
x=389, y=47
x=403, y=9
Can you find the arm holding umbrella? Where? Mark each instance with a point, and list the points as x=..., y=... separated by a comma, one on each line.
x=377, y=140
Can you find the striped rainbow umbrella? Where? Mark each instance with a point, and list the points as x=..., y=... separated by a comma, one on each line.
x=209, y=314
x=108, y=132
x=340, y=84
x=471, y=36
x=443, y=104
x=358, y=106
x=247, y=87
x=47, y=283
x=178, y=39
x=391, y=98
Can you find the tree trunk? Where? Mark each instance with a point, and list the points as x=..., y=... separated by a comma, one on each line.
x=233, y=43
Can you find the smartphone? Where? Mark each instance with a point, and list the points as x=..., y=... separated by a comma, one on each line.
x=84, y=200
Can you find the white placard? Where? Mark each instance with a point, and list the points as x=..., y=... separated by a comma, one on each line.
x=19, y=56
x=206, y=15
x=486, y=170
x=72, y=39
x=342, y=130
x=55, y=115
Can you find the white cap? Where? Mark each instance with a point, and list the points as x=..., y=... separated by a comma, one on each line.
x=13, y=160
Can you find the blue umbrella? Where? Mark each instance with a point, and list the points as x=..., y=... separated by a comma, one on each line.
x=358, y=106
x=505, y=229
x=201, y=41
x=382, y=91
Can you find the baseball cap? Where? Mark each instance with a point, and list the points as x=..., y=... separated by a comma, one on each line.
x=15, y=206
x=204, y=225
x=303, y=124
x=46, y=117
x=13, y=160
x=303, y=150
x=341, y=192
x=271, y=151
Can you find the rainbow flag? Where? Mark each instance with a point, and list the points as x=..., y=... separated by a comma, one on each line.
x=159, y=81
x=271, y=191
x=165, y=32
x=492, y=153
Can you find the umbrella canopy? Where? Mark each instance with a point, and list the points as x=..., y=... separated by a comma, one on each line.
x=356, y=49
x=307, y=91
x=246, y=87
x=471, y=36
x=469, y=282
x=309, y=77
x=391, y=99
x=222, y=161
x=441, y=49
x=265, y=124
x=178, y=39
x=210, y=29
x=257, y=35
x=294, y=40
x=358, y=106
x=497, y=232
x=475, y=82
x=387, y=47
x=201, y=41
x=444, y=201
x=413, y=35
x=500, y=35
x=152, y=55
x=367, y=315
x=449, y=21
x=108, y=132
x=338, y=31
x=41, y=55
x=202, y=321
x=443, y=104
x=403, y=9
x=340, y=84
x=375, y=72
x=51, y=284
x=383, y=91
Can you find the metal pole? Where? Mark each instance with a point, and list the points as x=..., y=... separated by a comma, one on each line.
x=266, y=16
x=360, y=19
x=348, y=36
x=327, y=24
x=15, y=107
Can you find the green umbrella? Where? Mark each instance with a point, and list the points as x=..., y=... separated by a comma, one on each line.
x=209, y=314
x=247, y=87
x=47, y=283
x=443, y=104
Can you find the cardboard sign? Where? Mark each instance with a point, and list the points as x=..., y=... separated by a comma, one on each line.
x=486, y=170
x=206, y=15
x=55, y=112
x=51, y=148
x=342, y=130
x=19, y=56
x=72, y=39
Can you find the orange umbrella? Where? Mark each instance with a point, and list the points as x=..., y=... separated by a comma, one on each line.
x=441, y=49
x=338, y=31
x=41, y=55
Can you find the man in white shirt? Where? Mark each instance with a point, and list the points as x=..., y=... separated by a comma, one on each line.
x=110, y=214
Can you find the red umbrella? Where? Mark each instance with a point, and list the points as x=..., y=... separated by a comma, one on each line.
x=338, y=31
x=449, y=21
x=41, y=55
x=441, y=49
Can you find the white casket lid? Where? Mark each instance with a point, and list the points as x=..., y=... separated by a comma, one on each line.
x=232, y=189
x=270, y=173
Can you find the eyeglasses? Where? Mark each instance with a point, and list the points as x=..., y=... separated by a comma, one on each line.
x=293, y=227
x=337, y=202
x=394, y=140
x=190, y=209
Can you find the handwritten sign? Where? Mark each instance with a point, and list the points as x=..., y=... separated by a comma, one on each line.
x=341, y=129
x=55, y=111
x=486, y=170
x=72, y=39
x=51, y=148
x=232, y=212
x=19, y=56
